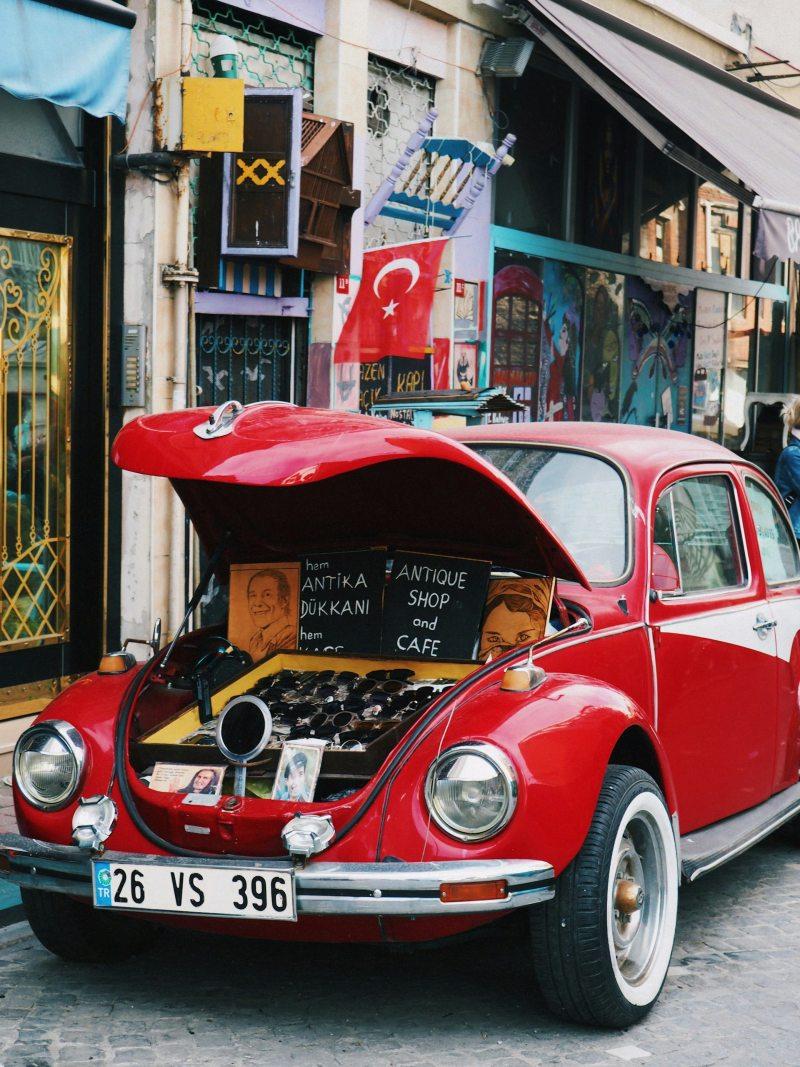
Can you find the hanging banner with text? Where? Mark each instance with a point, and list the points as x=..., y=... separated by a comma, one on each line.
x=341, y=600
x=433, y=606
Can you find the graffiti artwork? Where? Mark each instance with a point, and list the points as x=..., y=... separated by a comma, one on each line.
x=656, y=371
x=561, y=341
x=602, y=345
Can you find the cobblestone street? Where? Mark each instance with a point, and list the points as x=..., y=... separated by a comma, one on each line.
x=731, y=996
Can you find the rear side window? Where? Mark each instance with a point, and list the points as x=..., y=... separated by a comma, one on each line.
x=697, y=541
x=778, y=546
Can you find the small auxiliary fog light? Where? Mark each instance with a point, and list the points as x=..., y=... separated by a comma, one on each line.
x=93, y=821
x=458, y=892
x=307, y=835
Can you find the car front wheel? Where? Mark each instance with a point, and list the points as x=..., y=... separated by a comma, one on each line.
x=79, y=934
x=602, y=945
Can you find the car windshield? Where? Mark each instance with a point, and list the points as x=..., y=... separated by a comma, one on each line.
x=580, y=497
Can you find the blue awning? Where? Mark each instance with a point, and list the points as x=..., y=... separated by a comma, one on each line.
x=75, y=53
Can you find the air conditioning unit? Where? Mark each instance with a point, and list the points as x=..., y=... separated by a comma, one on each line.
x=506, y=57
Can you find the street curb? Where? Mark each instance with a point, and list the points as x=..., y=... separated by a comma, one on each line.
x=10, y=935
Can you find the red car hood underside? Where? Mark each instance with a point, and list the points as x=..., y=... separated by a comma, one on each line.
x=289, y=480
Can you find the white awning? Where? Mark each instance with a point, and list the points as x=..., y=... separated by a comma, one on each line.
x=754, y=136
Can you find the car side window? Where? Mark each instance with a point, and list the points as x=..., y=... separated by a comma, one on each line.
x=779, y=552
x=697, y=542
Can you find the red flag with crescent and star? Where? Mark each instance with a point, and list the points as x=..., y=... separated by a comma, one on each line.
x=391, y=313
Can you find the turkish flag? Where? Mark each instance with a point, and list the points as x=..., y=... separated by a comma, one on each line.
x=391, y=313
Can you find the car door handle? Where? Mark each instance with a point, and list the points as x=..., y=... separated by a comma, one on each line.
x=763, y=625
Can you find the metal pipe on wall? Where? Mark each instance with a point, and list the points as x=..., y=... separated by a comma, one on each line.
x=183, y=307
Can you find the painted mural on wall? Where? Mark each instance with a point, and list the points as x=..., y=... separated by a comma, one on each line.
x=518, y=299
x=602, y=345
x=657, y=365
x=560, y=366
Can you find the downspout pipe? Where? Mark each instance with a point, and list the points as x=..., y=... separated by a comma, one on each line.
x=183, y=278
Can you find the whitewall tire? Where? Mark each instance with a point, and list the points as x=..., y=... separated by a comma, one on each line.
x=602, y=946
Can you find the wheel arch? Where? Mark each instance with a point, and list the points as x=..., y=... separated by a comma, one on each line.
x=638, y=747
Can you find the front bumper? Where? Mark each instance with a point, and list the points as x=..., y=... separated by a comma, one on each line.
x=391, y=888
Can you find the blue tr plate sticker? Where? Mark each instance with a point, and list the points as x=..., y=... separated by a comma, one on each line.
x=102, y=885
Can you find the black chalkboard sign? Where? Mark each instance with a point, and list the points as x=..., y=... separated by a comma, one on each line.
x=341, y=601
x=433, y=606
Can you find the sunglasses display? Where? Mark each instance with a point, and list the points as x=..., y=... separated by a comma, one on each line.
x=345, y=709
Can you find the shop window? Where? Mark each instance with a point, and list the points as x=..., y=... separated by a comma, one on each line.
x=601, y=210
x=530, y=195
x=710, y=312
x=665, y=193
x=717, y=225
x=771, y=346
x=740, y=357
x=35, y=378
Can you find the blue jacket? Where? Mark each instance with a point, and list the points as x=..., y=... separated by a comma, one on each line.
x=787, y=479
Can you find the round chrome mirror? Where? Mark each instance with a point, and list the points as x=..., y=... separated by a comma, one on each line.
x=244, y=729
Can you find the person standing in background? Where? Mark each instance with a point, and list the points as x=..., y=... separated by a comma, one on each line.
x=787, y=469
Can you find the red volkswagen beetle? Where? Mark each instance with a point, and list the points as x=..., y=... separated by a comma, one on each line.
x=647, y=732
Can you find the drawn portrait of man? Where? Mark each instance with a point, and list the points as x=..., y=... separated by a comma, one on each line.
x=264, y=608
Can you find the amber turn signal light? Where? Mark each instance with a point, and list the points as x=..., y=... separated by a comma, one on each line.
x=116, y=663
x=455, y=892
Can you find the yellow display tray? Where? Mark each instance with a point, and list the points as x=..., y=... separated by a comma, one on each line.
x=187, y=721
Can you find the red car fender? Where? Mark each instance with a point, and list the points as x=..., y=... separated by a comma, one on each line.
x=91, y=705
x=560, y=740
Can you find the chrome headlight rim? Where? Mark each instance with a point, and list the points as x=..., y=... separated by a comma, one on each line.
x=504, y=767
x=75, y=745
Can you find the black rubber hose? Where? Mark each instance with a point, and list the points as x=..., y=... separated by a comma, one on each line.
x=120, y=756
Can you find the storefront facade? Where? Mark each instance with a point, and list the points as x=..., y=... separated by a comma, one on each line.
x=624, y=286
x=56, y=306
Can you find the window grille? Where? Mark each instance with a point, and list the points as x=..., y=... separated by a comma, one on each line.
x=397, y=101
x=267, y=59
x=250, y=358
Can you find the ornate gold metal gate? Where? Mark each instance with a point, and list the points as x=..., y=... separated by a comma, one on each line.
x=35, y=380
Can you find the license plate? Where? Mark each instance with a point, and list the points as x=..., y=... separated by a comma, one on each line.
x=227, y=892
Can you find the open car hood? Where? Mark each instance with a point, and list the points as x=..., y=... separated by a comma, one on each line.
x=286, y=481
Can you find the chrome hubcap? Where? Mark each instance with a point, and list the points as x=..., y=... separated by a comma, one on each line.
x=638, y=897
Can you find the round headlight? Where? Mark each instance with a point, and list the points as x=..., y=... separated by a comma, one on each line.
x=471, y=791
x=48, y=764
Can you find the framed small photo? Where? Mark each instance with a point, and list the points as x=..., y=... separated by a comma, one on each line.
x=180, y=778
x=264, y=607
x=297, y=773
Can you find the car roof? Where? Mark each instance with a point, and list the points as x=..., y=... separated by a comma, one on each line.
x=642, y=450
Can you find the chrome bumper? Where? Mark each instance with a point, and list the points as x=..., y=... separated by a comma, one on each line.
x=391, y=888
